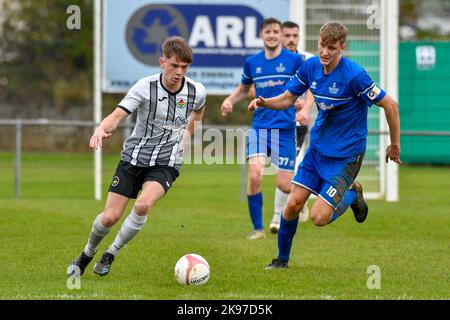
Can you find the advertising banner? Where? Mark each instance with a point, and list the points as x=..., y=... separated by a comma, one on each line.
x=221, y=33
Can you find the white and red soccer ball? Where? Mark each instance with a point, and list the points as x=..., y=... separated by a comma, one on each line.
x=192, y=270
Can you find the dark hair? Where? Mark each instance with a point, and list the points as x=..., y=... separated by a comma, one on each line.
x=177, y=46
x=289, y=24
x=269, y=21
x=333, y=32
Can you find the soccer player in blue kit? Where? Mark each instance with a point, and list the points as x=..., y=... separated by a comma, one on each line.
x=343, y=92
x=273, y=131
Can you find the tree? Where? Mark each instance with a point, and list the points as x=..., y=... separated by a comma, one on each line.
x=44, y=62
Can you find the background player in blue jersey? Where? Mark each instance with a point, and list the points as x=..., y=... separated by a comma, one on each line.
x=290, y=37
x=273, y=132
x=343, y=92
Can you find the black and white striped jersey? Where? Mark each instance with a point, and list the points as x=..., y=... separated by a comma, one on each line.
x=162, y=117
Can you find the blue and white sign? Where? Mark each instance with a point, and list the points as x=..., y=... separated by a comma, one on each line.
x=221, y=33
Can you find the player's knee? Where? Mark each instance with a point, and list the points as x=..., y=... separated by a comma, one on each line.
x=255, y=172
x=284, y=187
x=319, y=219
x=284, y=179
x=110, y=217
x=292, y=208
x=291, y=204
x=142, y=207
x=255, y=176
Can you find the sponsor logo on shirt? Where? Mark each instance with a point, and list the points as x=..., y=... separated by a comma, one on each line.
x=323, y=106
x=178, y=123
x=270, y=83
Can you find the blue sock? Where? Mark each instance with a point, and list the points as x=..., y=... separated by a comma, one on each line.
x=349, y=197
x=255, y=203
x=285, y=235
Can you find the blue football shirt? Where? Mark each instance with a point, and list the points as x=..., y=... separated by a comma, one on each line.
x=269, y=77
x=343, y=98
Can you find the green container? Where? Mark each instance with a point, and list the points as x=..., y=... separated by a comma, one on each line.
x=424, y=100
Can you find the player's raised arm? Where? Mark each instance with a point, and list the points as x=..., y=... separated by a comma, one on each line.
x=239, y=94
x=390, y=107
x=107, y=127
x=280, y=102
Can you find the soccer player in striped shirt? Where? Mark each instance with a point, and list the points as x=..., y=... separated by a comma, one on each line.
x=167, y=105
x=343, y=92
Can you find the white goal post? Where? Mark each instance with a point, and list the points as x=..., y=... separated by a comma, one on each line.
x=389, y=80
x=97, y=94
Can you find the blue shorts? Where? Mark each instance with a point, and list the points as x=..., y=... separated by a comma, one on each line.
x=327, y=177
x=278, y=145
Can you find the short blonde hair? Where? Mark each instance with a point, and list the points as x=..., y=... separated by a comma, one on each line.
x=177, y=46
x=332, y=32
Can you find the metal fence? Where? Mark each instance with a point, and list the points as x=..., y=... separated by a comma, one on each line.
x=18, y=126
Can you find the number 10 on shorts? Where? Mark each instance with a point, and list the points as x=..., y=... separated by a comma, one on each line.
x=331, y=191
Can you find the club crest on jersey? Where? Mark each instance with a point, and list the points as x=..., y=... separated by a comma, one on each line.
x=181, y=103
x=258, y=70
x=333, y=89
x=280, y=68
x=115, y=181
x=313, y=85
x=374, y=93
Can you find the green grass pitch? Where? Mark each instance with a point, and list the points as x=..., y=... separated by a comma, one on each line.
x=48, y=226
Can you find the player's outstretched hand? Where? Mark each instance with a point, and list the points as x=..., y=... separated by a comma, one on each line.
x=256, y=103
x=97, y=138
x=302, y=117
x=393, y=153
x=226, y=107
